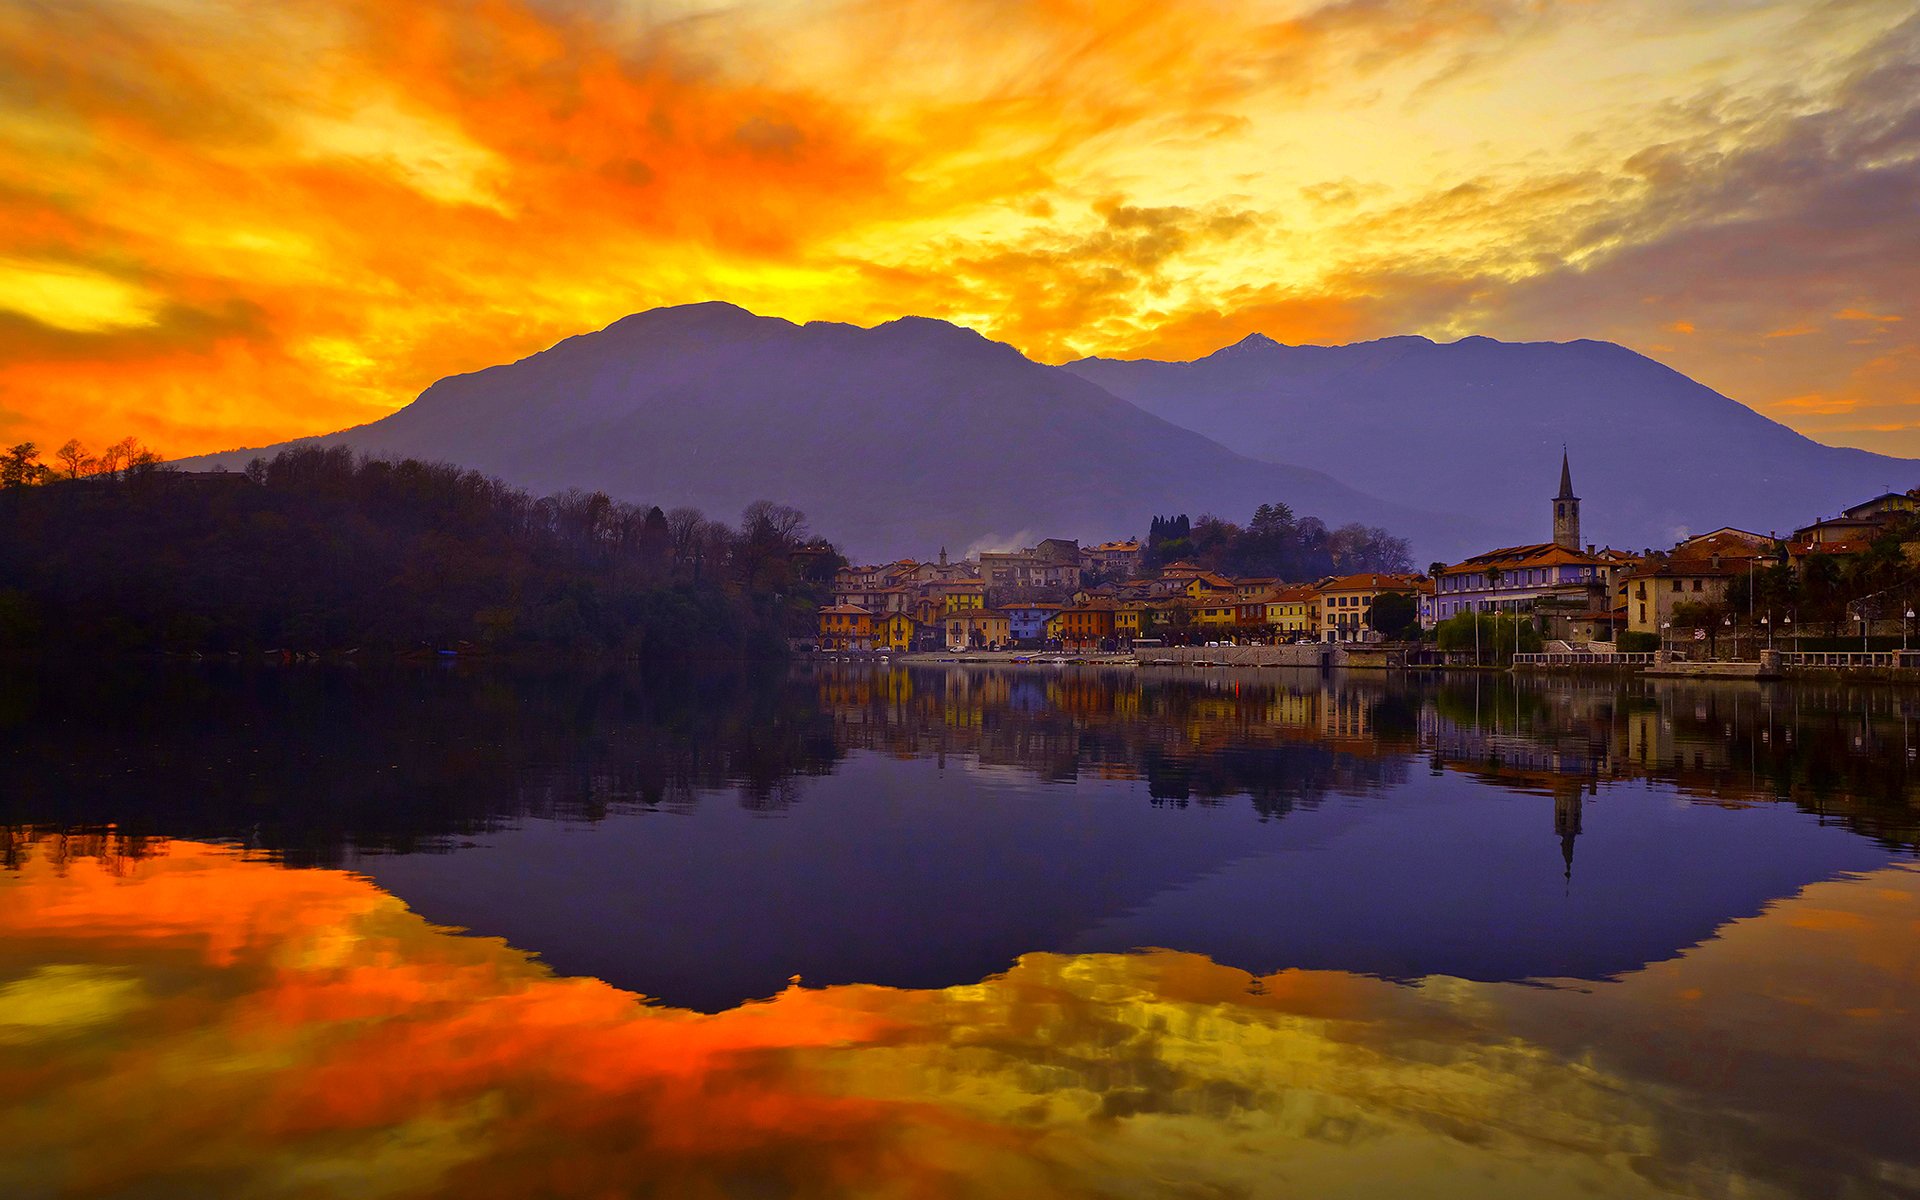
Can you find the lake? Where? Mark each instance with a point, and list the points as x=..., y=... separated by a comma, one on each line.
x=848, y=930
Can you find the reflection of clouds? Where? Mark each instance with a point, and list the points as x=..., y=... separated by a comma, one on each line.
x=234, y=1028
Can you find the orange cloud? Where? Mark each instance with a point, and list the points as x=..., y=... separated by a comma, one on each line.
x=227, y=223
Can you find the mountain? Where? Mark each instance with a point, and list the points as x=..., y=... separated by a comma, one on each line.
x=894, y=440
x=1478, y=425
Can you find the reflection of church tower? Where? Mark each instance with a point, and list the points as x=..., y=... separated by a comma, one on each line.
x=1566, y=510
x=1566, y=818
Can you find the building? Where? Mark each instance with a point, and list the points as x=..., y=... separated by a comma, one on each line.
x=1207, y=586
x=875, y=598
x=976, y=629
x=895, y=631
x=845, y=627
x=1115, y=560
x=962, y=594
x=1516, y=577
x=1054, y=563
x=1883, y=506
x=1215, y=613
x=1698, y=571
x=1293, y=612
x=1566, y=510
x=1573, y=591
x=1088, y=626
x=1346, y=603
x=1027, y=622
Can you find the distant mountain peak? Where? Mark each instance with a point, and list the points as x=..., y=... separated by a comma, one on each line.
x=930, y=329
x=1252, y=342
x=705, y=316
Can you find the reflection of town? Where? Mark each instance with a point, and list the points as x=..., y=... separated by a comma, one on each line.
x=318, y=765
x=1191, y=737
x=1846, y=755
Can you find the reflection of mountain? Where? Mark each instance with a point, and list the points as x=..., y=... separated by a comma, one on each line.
x=200, y=1024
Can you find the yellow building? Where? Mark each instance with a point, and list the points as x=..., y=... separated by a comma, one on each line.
x=965, y=594
x=1216, y=612
x=895, y=631
x=977, y=629
x=1294, y=611
x=1207, y=585
x=1346, y=602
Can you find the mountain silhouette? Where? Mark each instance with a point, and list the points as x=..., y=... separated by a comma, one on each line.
x=1478, y=425
x=895, y=440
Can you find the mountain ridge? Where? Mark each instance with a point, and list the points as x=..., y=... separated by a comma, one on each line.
x=1657, y=454
x=895, y=438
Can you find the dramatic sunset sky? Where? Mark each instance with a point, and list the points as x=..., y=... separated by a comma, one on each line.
x=225, y=222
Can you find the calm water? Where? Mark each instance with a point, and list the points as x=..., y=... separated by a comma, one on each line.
x=885, y=932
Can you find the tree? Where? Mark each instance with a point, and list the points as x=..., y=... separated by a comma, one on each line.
x=683, y=533
x=74, y=457
x=1394, y=613
x=1703, y=615
x=20, y=466
x=1478, y=630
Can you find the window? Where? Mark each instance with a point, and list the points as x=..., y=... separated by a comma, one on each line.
x=1676, y=585
x=1699, y=585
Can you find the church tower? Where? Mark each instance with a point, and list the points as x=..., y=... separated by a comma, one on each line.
x=1566, y=510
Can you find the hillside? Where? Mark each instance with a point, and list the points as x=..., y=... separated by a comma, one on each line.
x=1478, y=424
x=314, y=551
x=894, y=440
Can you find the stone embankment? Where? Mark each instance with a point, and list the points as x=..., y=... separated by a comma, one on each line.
x=1305, y=654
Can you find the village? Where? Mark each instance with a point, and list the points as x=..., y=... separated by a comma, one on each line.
x=1728, y=592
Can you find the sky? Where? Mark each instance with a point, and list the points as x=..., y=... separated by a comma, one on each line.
x=225, y=223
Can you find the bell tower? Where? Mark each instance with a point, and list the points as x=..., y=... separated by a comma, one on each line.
x=1566, y=509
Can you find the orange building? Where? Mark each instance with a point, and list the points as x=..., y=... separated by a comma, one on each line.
x=846, y=627
x=1084, y=626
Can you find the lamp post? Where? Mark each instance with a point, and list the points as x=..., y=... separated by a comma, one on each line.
x=1666, y=638
x=1727, y=623
x=1792, y=633
x=1903, y=628
x=1768, y=622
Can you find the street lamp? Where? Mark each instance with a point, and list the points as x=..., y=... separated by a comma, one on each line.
x=1666, y=638
x=1727, y=622
x=1903, y=629
x=1791, y=632
x=1768, y=622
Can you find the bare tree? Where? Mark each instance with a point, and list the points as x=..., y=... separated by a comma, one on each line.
x=74, y=457
x=683, y=532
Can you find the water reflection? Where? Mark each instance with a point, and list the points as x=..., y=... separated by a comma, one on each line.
x=187, y=1020
x=704, y=840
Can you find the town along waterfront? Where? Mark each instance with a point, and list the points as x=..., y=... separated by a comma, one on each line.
x=955, y=932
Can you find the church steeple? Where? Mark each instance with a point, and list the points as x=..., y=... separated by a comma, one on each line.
x=1566, y=508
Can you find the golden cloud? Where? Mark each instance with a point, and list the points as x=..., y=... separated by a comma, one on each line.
x=230, y=223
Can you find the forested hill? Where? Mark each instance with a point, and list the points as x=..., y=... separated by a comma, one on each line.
x=318, y=551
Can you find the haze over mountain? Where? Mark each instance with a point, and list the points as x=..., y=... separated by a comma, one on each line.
x=895, y=440
x=1477, y=425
